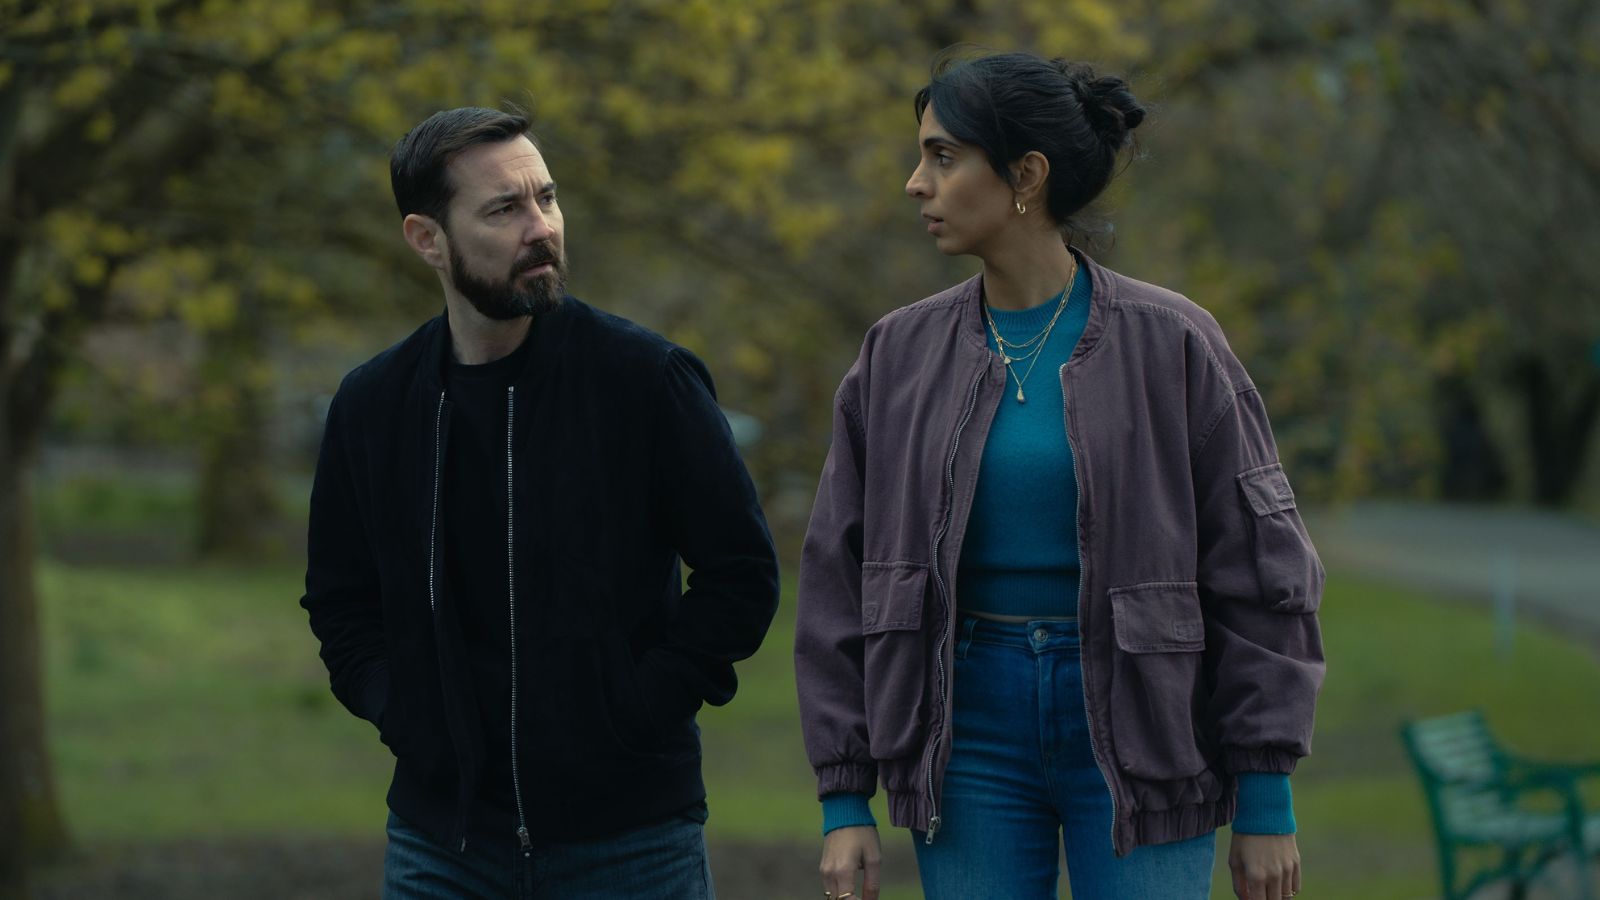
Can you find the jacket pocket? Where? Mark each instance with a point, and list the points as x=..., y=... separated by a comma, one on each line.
x=632, y=723
x=414, y=729
x=391, y=724
x=584, y=708
x=1286, y=563
x=1155, y=679
x=578, y=598
x=895, y=656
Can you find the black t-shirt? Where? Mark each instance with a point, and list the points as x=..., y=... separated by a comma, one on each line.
x=473, y=523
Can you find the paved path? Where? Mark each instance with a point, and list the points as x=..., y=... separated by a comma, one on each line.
x=1548, y=562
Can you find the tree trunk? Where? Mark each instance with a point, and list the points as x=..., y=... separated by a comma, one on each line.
x=30, y=818
x=31, y=826
x=1473, y=466
x=1559, y=424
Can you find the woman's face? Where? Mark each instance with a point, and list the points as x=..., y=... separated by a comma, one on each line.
x=965, y=205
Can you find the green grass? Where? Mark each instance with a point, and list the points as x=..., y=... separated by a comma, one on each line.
x=188, y=702
x=108, y=502
x=100, y=515
x=192, y=702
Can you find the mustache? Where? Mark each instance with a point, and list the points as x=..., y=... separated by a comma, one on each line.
x=538, y=256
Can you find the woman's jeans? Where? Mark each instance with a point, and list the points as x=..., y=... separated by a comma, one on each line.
x=662, y=861
x=1022, y=782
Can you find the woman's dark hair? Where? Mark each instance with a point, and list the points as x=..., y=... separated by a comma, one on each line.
x=1011, y=103
x=417, y=165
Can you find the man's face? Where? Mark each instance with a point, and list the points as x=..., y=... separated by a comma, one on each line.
x=504, y=231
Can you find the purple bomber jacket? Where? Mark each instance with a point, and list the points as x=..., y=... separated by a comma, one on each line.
x=1201, y=652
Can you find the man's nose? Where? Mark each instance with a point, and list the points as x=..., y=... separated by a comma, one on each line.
x=539, y=228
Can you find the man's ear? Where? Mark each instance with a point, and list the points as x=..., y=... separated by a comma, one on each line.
x=1028, y=177
x=425, y=236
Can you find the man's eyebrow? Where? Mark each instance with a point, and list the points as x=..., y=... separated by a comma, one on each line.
x=549, y=187
x=497, y=199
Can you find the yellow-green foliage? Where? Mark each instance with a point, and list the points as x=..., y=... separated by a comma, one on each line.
x=1361, y=199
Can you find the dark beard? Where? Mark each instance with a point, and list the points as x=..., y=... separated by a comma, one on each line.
x=504, y=300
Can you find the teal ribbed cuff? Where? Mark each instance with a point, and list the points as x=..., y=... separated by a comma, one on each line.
x=843, y=810
x=1266, y=805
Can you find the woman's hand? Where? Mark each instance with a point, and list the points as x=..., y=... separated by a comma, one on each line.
x=846, y=851
x=1264, y=866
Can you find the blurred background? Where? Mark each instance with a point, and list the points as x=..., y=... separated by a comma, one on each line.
x=1390, y=205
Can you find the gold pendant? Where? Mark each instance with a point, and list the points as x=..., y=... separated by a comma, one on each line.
x=1020, y=398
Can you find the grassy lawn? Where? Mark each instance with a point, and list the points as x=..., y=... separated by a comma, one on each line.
x=189, y=701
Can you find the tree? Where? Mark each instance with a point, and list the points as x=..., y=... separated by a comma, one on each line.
x=1387, y=203
x=732, y=138
x=1331, y=181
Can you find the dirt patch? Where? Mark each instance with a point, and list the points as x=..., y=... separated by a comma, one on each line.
x=346, y=869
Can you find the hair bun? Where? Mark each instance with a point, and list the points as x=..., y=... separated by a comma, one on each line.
x=1110, y=107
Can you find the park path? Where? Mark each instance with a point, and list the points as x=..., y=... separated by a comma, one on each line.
x=1547, y=563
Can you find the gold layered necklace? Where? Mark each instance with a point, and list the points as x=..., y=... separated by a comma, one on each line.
x=1013, y=354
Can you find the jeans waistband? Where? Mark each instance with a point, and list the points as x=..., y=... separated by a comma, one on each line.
x=1037, y=635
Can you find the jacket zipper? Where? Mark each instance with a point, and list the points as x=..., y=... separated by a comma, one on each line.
x=1083, y=566
x=944, y=635
x=433, y=531
x=433, y=525
x=511, y=598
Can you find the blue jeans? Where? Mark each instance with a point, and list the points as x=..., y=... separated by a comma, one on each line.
x=1022, y=782
x=661, y=861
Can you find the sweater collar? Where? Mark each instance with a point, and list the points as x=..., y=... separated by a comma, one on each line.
x=969, y=295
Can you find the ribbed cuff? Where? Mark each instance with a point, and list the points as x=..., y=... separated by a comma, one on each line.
x=1266, y=805
x=844, y=810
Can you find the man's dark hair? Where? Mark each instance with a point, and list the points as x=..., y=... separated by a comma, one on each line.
x=1011, y=103
x=417, y=164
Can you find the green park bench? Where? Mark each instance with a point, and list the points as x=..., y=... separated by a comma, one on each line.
x=1519, y=813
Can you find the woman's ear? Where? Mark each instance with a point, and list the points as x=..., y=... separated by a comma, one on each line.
x=1030, y=176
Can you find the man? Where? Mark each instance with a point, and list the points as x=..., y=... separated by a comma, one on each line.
x=500, y=506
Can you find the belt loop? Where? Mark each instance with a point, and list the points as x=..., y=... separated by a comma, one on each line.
x=968, y=623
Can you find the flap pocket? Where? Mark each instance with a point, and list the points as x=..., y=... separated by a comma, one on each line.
x=891, y=596
x=1158, y=617
x=1267, y=489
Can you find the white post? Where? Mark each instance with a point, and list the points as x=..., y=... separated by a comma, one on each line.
x=1505, y=603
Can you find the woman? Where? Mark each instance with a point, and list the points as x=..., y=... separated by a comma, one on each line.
x=1054, y=590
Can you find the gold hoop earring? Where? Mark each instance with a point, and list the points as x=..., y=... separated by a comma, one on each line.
x=1022, y=208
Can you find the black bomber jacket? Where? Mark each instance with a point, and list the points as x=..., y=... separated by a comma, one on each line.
x=621, y=465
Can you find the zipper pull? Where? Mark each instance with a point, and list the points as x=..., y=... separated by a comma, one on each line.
x=933, y=829
x=522, y=837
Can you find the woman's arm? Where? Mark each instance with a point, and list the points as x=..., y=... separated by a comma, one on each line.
x=828, y=643
x=1260, y=584
x=828, y=657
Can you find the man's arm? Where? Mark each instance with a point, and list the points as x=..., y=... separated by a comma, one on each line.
x=342, y=591
x=712, y=517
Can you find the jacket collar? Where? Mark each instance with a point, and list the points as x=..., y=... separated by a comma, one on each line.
x=547, y=334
